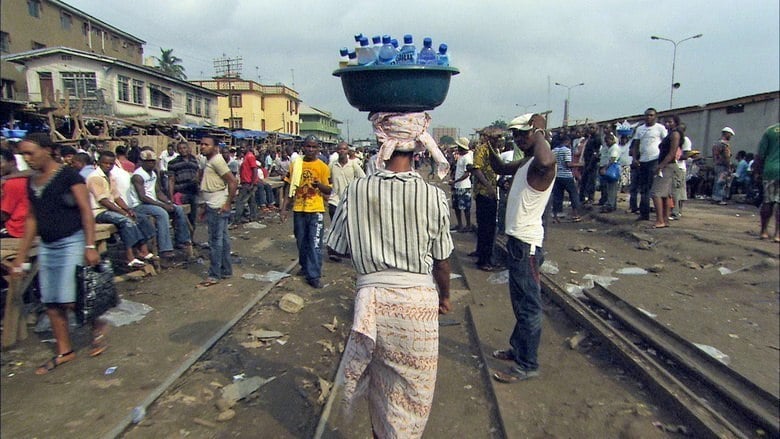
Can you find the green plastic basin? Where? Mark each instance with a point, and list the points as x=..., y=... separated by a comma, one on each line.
x=404, y=88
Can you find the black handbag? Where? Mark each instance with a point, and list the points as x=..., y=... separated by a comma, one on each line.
x=96, y=291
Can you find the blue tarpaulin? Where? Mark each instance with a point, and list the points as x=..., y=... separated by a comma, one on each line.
x=249, y=134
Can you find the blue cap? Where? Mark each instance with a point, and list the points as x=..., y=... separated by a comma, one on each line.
x=385, y=39
x=363, y=41
x=442, y=48
x=352, y=55
x=358, y=37
x=408, y=39
x=394, y=42
x=376, y=39
x=427, y=42
x=344, y=51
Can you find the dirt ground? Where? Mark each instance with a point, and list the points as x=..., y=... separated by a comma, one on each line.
x=710, y=279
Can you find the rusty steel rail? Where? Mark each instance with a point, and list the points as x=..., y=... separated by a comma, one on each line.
x=733, y=390
x=705, y=421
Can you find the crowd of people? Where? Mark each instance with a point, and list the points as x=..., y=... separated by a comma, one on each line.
x=373, y=204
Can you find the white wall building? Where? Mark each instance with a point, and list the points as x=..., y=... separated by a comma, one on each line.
x=106, y=86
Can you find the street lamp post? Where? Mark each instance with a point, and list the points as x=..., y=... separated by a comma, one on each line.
x=674, y=61
x=568, y=98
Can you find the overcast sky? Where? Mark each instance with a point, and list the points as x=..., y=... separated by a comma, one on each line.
x=509, y=52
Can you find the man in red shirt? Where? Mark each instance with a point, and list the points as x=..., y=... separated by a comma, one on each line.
x=248, y=180
x=13, y=197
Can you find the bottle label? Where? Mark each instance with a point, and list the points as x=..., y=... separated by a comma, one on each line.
x=405, y=57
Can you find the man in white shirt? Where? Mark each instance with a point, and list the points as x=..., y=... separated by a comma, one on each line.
x=645, y=151
x=461, y=185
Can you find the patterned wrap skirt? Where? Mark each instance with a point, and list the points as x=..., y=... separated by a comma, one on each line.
x=391, y=357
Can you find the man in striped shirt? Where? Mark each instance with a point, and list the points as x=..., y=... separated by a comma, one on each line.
x=396, y=227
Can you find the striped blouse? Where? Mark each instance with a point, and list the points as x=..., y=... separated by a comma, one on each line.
x=392, y=220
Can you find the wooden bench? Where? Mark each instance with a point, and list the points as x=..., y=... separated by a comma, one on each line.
x=14, y=326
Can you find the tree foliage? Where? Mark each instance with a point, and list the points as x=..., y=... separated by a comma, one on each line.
x=170, y=64
x=499, y=124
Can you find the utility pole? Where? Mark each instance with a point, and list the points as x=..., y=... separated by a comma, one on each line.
x=230, y=69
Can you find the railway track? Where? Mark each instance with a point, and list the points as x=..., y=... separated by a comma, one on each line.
x=717, y=401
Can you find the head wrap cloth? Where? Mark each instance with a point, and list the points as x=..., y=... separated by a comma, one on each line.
x=406, y=132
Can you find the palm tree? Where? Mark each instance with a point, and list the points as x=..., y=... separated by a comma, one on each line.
x=170, y=64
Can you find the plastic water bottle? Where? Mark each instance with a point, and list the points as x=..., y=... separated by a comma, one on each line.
x=357, y=40
x=139, y=413
x=408, y=53
x=387, y=53
x=442, y=58
x=343, y=57
x=365, y=53
x=427, y=55
x=394, y=42
x=352, y=59
x=377, y=43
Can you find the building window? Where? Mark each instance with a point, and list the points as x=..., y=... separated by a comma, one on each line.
x=85, y=28
x=115, y=42
x=123, y=89
x=5, y=42
x=66, y=20
x=138, y=92
x=190, y=102
x=6, y=89
x=207, y=107
x=262, y=105
x=198, y=104
x=34, y=8
x=160, y=97
x=79, y=84
x=36, y=45
x=236, y=123
x=262, y=124
x=235, y=100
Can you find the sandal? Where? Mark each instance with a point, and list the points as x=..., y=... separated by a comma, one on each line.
x=207, y=283
x=576, y=219
x=514, y=375
x=503, y=355
x=55, y=362
x=487, y=267
x=99, y=344
x=136, y=263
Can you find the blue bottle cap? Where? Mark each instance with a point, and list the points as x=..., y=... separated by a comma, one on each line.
x=427, y=42
x=442, y=48
x=363, y=41
x=394, y=42
x=352, y=55
x=407, y=39
x=358, y=37
x=343, y=51
x=376, y=39
x=385, y=39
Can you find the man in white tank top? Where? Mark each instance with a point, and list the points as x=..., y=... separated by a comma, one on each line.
x=526, y=203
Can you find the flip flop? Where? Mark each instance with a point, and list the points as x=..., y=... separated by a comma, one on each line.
x=149, y=257
x=659, y=227
x=576, y=219
x=514, y=375
x=99, y=345
x=53, y=363
x=207, y=283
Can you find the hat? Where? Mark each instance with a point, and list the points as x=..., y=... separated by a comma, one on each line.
x=463, y=143
x=693, y=152
x=522, y=123
x=147, y=155
x=728, y=130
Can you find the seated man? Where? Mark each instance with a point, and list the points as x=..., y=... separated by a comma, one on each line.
x=109, y=208
x=149, y=199
x=13, y=197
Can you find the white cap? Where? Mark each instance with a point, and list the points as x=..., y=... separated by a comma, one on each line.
x=728, y=130
x=522, y=123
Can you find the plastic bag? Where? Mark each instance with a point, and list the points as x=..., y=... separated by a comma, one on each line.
x=96, y=291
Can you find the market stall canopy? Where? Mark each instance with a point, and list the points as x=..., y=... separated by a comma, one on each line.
x=249, y=134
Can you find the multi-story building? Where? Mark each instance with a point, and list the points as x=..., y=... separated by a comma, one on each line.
x=319, y=123
x=439, y=132
x=249, y=105
x=99, y=85
x=35, y=24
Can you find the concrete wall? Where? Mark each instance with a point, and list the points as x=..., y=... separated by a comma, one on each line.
x=48, y=29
